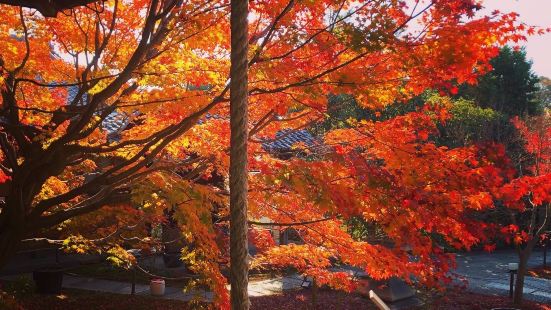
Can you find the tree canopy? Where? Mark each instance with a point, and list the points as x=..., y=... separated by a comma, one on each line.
x=161, y=67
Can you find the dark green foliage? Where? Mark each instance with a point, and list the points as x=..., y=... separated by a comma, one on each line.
x=472, y=124
x=19, y=287
x=362, y=230
x=340, y=108
x=510, y=88
x=344, y=107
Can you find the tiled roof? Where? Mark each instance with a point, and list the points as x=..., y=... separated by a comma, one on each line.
x=283, y=142
x=113, y=124
x=209, y=116
x=72, y=92
x=285, y=139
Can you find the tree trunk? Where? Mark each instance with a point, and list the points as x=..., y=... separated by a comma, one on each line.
x=12, y=225
x=519, y=285
x=239, y=267
x=9, y=242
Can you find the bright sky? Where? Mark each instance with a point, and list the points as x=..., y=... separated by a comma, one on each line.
x=532, y=12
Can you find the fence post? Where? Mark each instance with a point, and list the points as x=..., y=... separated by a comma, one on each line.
x=133, y=281
x=545, y=243
x=314, y=293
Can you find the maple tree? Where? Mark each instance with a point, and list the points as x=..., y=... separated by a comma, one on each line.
x=527, y=194
x=162, y=65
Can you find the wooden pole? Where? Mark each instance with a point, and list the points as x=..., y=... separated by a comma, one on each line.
x=239, y=266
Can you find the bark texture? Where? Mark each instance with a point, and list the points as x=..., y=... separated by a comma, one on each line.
x=238, y=155
x=521, y=274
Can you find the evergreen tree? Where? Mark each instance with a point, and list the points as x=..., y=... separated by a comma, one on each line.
x=510, y=88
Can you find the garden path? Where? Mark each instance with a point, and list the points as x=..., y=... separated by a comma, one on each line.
x=488, y=273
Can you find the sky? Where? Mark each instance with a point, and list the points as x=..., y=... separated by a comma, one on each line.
x=536, y=13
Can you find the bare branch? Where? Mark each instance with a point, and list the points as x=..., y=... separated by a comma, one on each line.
x=27, y=45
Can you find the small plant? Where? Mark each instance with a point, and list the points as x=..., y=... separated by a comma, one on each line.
x=20, y=287
x=8, y=301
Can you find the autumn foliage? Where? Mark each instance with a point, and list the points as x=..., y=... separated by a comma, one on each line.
x=162, y=67
x=529, y=191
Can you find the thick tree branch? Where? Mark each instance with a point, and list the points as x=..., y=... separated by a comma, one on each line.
x=49, y=8
x=291, y=223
